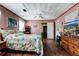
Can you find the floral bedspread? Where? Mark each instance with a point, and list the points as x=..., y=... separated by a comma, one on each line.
x=25, y=42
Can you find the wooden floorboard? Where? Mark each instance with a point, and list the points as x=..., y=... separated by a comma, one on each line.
x=50, y=49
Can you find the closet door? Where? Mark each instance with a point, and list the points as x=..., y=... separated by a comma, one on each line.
x=50, y=29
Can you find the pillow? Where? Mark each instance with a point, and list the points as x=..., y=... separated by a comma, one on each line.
x=6, y=32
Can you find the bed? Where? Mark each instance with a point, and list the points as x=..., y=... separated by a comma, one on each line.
x=24, y=42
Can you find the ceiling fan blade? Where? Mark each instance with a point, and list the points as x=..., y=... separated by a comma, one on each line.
x=35, y=16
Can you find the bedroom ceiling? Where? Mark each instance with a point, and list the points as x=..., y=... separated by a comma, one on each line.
x=38, y=11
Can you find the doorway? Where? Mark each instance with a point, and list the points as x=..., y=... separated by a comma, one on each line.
x=44, y=30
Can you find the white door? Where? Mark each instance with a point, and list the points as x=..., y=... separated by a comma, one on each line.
x=21, y=25
x=50, y=29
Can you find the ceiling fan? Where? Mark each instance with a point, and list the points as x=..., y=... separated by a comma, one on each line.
x=39, y=16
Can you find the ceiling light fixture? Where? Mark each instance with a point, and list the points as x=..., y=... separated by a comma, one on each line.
x=24, y=10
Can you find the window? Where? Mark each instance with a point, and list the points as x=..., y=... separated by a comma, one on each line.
x=21, y=25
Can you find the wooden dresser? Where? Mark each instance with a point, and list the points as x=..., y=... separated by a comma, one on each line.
x=2, y=47
x=70, y=44
x=27, y=30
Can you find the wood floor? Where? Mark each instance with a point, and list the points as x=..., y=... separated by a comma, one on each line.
x=50, y=49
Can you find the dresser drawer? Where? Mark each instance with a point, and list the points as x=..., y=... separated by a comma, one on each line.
x=71, y=48
x=63, y=41
x=76, y=53
x=76, y=42
x=76, y=48
x=3, y=45
x=72, y=45
x=70, y=40
x=64, y=45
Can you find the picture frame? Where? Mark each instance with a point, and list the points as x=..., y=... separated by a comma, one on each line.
x=12, y=23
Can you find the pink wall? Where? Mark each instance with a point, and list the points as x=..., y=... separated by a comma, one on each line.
x=61, y=18
x=5, y=13
x=33, y=23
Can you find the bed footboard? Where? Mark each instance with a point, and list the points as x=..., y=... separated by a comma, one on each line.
x=1, y=37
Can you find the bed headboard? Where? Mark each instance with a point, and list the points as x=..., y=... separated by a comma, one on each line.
x=1, y=37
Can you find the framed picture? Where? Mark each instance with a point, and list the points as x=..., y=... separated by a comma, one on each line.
x=12, y=23
x=72, y=28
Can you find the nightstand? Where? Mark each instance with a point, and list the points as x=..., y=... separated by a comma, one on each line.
x=2, y=48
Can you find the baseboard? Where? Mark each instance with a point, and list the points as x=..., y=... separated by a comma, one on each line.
x=50, y=38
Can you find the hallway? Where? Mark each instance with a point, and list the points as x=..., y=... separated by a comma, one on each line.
x=51, y=49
